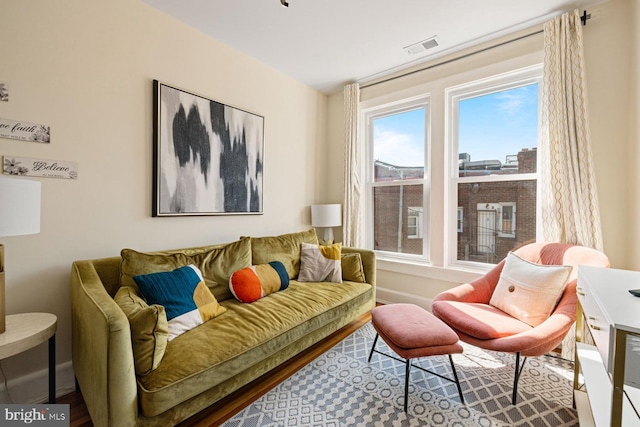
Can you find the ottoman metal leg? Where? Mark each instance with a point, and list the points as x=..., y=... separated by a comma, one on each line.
x=373, y=347
x=407, y=375
x=406, y=383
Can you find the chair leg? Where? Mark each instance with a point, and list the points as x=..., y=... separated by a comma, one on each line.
x=373, y=347
x=516, y=378
x=455, y=375
x=406, y=383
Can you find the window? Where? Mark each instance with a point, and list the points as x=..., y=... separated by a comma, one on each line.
x=414, y=222
x=494, y=220
x=397, y=136
x=494, y=139
x=507, y=224
x=451, y=170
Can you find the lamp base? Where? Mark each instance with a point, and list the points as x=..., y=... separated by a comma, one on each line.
x=327, y=235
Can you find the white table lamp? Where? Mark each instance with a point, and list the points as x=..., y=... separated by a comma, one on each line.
x=19, y=215
x=327, y=217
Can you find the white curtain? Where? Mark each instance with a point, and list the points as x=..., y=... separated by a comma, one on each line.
x=352, y=167
x=569, y=202
x=570, y=212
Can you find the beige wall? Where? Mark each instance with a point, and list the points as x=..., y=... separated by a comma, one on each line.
x=634, y=139
x=608, y=53
x=607, y=56
x=86, y=68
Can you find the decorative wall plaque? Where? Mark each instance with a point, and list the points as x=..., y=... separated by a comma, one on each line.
x=24, y=131
x=25, y=166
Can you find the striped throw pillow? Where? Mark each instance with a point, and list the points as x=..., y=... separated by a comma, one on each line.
x=252, y=283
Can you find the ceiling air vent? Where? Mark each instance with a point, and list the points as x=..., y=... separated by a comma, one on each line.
x=420, y=47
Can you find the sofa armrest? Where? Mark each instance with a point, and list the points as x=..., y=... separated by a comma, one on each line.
x=102, y=351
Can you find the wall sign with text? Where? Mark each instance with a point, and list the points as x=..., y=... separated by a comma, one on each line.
x=25, y=166
x=24, y=131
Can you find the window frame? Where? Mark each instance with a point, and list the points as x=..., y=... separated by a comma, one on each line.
x=368, y=115
x=471, y=89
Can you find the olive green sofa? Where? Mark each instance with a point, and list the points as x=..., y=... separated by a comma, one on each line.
x=216, y=358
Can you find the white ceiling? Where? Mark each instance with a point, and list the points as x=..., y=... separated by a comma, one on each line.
x=327, y=43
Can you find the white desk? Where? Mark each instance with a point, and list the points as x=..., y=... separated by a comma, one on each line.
x=611, y=367
x=27, y=330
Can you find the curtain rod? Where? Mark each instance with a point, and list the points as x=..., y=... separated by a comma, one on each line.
x=583, y=18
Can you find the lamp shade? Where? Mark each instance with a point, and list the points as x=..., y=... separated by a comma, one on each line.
x=326, y=215
x=19, y=206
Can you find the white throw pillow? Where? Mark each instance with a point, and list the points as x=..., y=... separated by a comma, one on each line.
x=320, y=263
x=528, y=291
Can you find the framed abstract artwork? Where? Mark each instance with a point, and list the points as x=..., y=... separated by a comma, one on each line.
x=207, y=156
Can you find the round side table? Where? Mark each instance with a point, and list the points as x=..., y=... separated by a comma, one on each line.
x=27, y=330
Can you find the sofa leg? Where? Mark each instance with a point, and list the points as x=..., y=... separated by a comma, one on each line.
x=518, y=372
x=373, y=347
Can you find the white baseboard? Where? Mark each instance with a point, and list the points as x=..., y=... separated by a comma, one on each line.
x=34, y=387
x=389, y=296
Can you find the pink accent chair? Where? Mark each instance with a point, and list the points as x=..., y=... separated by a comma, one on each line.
x=466, y=308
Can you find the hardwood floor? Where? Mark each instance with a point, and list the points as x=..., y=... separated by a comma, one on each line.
x=235, y=402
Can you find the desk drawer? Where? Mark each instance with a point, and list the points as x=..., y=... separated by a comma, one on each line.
x=599, y=327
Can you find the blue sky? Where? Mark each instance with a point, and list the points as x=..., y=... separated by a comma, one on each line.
x=491, y=127
x=399, y=139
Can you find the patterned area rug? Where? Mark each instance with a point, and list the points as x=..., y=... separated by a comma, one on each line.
x=340, y=388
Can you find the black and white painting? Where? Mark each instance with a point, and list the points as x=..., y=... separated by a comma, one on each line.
x=208, y=156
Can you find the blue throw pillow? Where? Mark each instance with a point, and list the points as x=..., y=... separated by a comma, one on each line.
x=187, y=300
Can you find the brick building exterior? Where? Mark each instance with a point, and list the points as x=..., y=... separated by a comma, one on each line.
x=494, y=217
x=392, y=209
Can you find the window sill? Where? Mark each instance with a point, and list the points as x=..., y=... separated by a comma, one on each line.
x=454, y=274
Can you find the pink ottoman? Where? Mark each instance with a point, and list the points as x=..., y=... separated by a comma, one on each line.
x=413, y=332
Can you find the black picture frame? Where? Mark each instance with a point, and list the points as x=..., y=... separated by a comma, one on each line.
x=207, y=156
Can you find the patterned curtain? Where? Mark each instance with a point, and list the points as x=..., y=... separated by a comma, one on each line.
x=570, y=212
x=352, y=191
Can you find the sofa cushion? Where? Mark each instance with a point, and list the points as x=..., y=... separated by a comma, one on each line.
x=528, y=291
x=245, y=339
x=284, y=248
x=184, y=295
x=320, y=263
x=149, y=329
x=216, y=262
x=252, y=283
x=352, y=268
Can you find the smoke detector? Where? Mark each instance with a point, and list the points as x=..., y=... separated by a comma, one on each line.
x=420, y=47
